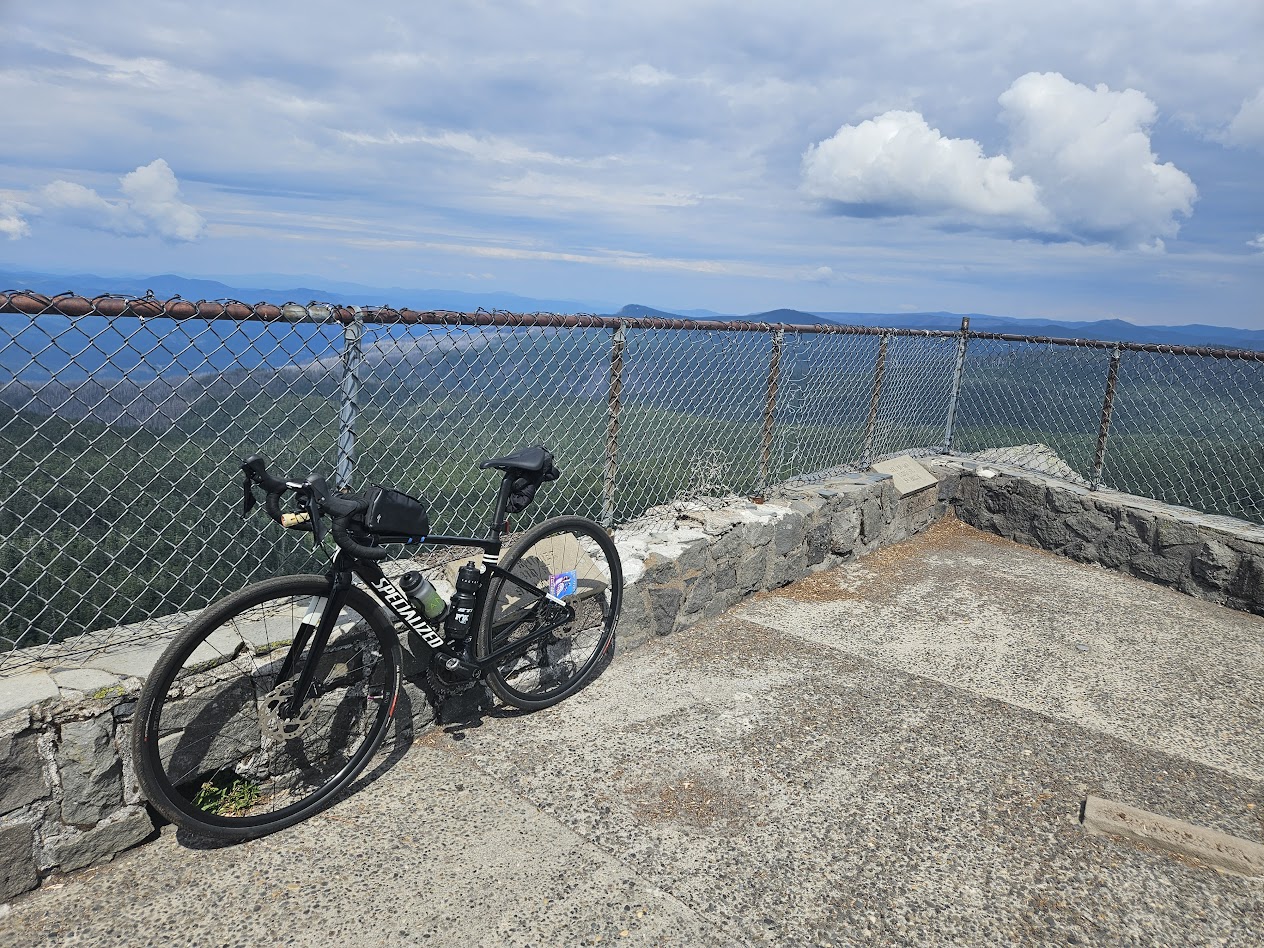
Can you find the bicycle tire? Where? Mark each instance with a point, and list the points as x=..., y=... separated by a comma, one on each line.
x=575, y=559
x=211, y=754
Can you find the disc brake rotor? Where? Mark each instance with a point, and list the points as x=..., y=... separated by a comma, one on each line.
x=280, y=728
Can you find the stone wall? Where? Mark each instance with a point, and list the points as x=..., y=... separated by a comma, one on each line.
x=1215, y=558
x=687, y=562
x=68, y=798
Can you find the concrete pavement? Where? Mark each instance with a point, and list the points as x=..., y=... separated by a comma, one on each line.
x=892, y=752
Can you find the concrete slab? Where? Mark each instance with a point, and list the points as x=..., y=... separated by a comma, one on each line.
x=434, y=852
x=128, y=663
x=19, y=691
x=87, y=680
x=745, y=783
x=1113, y=653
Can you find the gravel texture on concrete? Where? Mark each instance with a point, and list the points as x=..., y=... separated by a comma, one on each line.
x=894, y=752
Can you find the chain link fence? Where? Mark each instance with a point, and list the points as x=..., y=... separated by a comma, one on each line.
x=123, y=421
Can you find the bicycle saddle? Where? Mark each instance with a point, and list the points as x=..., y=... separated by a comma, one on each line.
x=531, y=460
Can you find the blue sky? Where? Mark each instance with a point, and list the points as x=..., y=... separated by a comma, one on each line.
x=1076, y=160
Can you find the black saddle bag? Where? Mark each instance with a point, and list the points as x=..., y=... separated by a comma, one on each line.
x=394, y=513
x=525, y=484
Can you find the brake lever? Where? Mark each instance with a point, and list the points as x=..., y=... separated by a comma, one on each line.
x=248, y=499
x=318, y=497
x=255, y=468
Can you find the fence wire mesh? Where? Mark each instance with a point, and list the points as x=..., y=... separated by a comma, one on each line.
x=691, y=411
x=913, y=398
x=1190, y=432
x=823, y=403
x=123, y=421
x=1033, y=405
x=437, y=400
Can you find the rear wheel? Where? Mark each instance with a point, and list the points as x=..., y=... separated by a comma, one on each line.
x=575, y=560
x=214, y=746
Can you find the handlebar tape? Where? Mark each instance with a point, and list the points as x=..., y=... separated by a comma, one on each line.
x=341, y=508
x=343, y=538
x=272, y=504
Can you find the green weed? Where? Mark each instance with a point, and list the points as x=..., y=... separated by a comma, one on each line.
x=221, y=798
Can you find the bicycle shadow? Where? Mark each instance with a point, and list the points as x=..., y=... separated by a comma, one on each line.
x=454, y=715
x=399, y=739
x=462, y=719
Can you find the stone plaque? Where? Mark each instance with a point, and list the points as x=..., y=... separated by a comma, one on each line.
x=910, y=476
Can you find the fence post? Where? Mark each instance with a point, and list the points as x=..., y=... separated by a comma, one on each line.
x=613, y=402
x=1108, y=406
x=955, y=393
x=871, y=424
x=770, y=409
x=349, y=410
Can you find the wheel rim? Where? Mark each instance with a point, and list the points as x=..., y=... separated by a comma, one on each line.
x=224, y=752
x=572, y=566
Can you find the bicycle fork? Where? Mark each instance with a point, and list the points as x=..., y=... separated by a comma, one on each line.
x=331, y=606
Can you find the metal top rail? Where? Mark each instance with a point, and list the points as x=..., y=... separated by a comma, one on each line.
x=149, y=307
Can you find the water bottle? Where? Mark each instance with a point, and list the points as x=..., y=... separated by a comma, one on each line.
x=468, y=579
x=420, y=591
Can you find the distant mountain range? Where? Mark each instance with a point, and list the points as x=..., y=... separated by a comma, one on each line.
x=167, y=285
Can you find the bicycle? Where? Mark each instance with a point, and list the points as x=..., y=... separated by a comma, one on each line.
x=274, y=699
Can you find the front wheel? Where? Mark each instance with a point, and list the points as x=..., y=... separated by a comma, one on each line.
x=221, y=748
x=574, y=560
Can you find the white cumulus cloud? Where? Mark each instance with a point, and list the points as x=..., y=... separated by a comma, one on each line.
x=1257, y=242
x=1089, y=151
x=12, y=224
x=897, y=164
x=1247, y=127
x=151, y=205
x=1079, y=166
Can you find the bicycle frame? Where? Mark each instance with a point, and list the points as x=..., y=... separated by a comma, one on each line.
x=398, y=604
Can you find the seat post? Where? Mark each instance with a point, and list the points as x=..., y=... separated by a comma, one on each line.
x=497, y=526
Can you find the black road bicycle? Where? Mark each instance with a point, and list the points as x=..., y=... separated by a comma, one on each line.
x=275, y=698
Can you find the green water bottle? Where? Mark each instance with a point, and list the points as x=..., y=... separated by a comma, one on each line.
x=421, y=591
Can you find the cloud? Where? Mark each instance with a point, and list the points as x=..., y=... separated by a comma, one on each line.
x=1089, y=150
x=896, y=164
x=485, y=148
x=1257, y=242
x=151, y=205
x=569, y=191
x=1247, y=127
x=155, y=196
x=1079, y=167
x=12, y=224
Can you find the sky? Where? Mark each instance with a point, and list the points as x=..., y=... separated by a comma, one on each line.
x=1071, y=160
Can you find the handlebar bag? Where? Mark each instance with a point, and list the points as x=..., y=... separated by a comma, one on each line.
x=394, y=513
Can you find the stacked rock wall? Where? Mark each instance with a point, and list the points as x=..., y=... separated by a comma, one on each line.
x=1215, y=558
